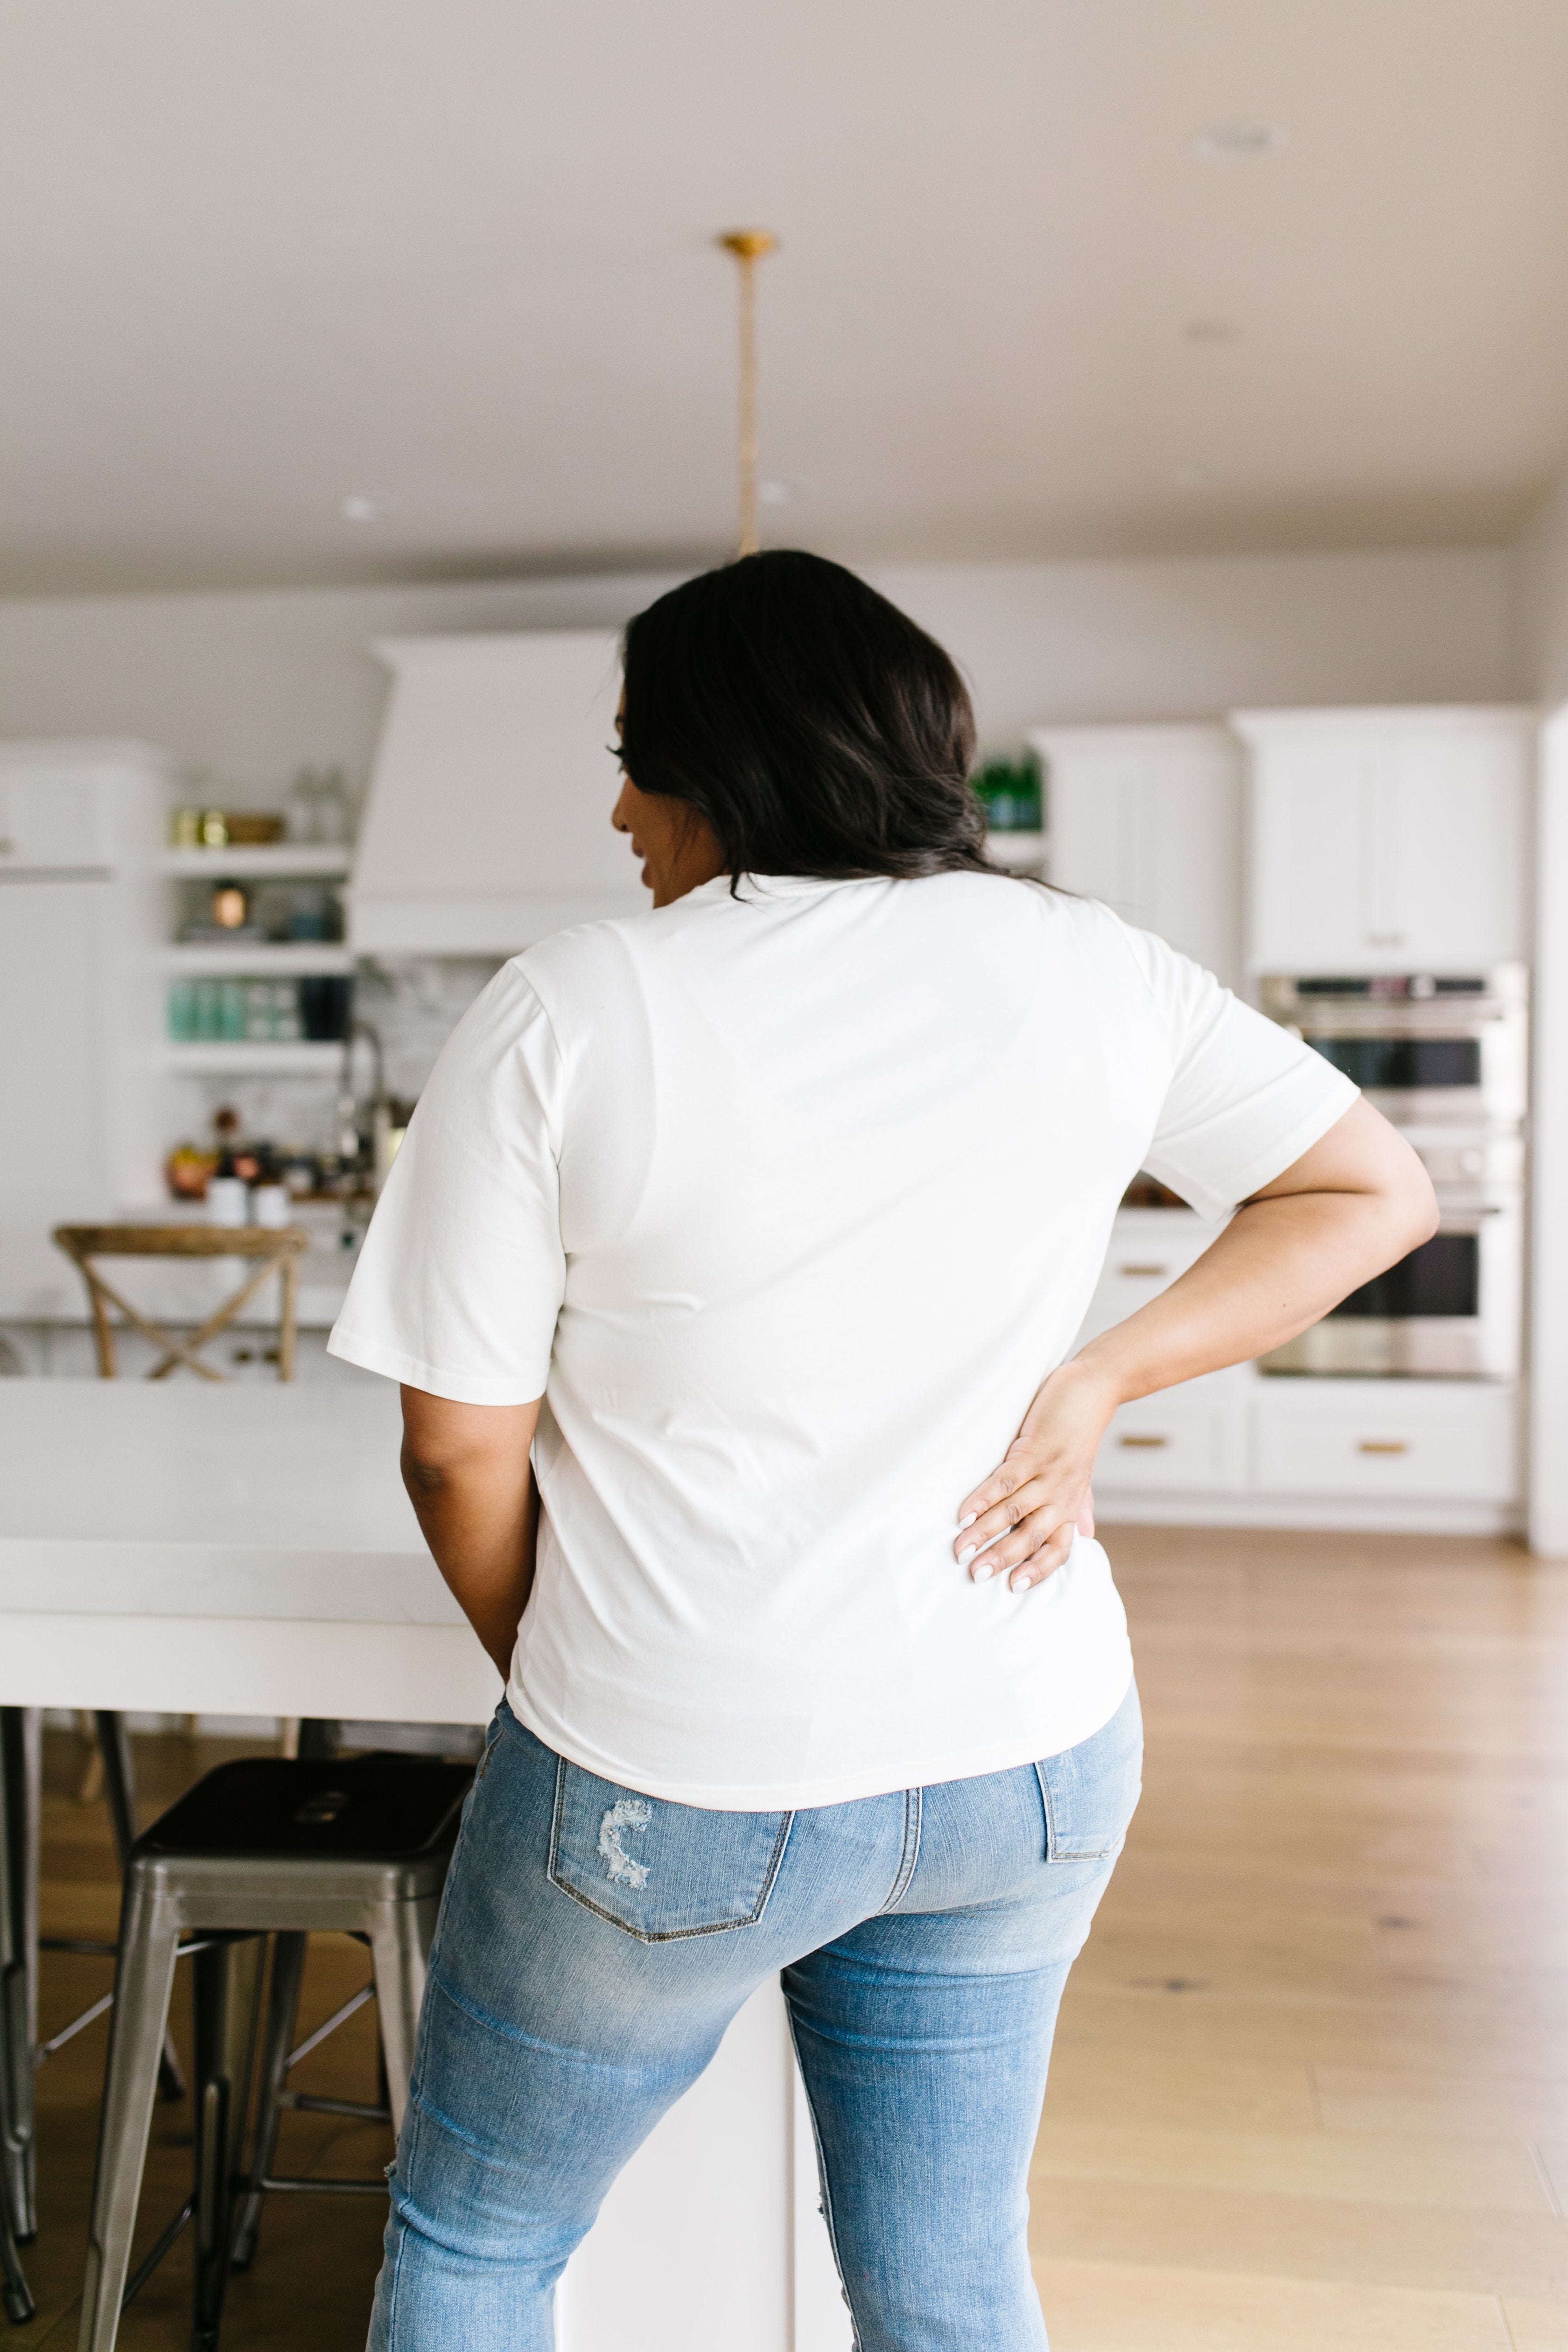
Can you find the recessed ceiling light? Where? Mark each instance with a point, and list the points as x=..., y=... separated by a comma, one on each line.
x=357, y=507
x=778, y=494
x=1222, y=141
x=1212, y=330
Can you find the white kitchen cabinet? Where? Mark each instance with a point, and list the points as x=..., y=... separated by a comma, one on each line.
x=1427, y=1440
x=59, y=805
x=1149, y=819
x=1149, y=1248
x=79, y=992
x=1243, y=1448
x=1387, y=840
x=1186, y=1440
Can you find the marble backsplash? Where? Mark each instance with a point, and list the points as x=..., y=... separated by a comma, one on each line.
x=414, y=1003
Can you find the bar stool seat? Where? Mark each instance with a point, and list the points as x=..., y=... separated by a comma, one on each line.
x=267, y=1845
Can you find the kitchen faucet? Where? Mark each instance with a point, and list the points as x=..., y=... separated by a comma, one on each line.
x=354, y=1143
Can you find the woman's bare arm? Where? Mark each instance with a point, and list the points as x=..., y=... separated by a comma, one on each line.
x=471, y=1481
x=1356, y=1202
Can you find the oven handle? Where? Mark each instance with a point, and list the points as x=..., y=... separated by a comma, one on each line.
x=1468, y=1221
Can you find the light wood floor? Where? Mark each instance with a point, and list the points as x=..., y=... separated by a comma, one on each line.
x=1311, y=2082
x=1311, y=2092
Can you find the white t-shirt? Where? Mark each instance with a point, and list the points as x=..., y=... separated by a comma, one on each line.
x=787, y=1203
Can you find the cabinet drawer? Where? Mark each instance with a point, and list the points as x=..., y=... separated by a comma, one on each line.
x=1149, y=1248
x=1181, y=1445
x=1456, y=1447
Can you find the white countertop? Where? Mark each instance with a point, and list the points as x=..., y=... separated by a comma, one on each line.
x=249, y=1550
x=246, y=1500
x=243, y=1548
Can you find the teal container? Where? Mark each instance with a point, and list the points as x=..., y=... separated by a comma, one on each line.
x=207, y=1026
x=231, y=1010
x=182, y=1011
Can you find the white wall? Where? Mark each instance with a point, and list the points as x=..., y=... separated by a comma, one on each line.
x=251, y=684
x=1192, y=638
x=1541, y=632
x=1540, y=578
x=1548, y=1485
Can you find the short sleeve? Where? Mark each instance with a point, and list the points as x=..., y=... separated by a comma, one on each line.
x=460, y=1276
x=1244, y=1100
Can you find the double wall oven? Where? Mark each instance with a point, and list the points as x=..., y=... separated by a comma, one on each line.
x=1446, y=1059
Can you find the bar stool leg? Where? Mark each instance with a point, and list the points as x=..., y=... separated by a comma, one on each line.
x=20, y=1778
x=16, y=2294
x=228, y=1998
x=400, y=1939
x=143, y=1980
x=282, y=2018
x=120, y=1794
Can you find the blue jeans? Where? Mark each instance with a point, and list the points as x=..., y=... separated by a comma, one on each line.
x=594, y=1944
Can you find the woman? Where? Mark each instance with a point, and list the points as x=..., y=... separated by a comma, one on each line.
x=765, y=1220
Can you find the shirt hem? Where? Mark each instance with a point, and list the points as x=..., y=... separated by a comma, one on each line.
x=841, y=1789
x=457, y=1387
x=1281, y=1154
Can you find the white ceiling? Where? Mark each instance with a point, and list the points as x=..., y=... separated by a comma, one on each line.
x=455, y=256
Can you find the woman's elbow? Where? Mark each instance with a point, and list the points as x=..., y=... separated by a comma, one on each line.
x=423, y=1476
x=1414, y=1213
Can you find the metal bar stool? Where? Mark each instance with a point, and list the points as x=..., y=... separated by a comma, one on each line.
x=21, y=2054
x=266, y=1847
x=270, y=1251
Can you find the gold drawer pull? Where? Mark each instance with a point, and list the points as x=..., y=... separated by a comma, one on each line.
x=1384, y=1445
x=1144, y=1273
x=1142, y=1441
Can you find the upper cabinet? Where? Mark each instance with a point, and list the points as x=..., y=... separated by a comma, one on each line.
x=1149, y=819
x=1387, y=840
x=62, y=805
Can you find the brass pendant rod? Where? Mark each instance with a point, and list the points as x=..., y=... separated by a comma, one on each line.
x=749, y=247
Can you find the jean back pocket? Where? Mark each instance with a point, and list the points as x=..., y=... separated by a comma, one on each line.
x=1091, y=1791
x=660, y=1870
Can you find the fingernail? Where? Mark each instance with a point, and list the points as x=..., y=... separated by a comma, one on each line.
x=1022, y=1583
x=969, y=1522
x=986, y=1567
x=967, y=1553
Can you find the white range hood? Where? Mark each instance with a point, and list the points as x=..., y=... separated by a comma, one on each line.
x=487, y=825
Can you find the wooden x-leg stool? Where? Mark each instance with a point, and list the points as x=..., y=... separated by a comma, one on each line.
x=275, y=1250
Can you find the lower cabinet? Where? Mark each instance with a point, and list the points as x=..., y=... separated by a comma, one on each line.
x=1437, y=1439
x=1188, y=1439
x=1246, y=1448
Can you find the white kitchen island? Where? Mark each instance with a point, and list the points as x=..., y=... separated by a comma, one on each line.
x=249, y=1551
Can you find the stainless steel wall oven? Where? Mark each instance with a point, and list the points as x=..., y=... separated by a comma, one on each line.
x=1446, y=1060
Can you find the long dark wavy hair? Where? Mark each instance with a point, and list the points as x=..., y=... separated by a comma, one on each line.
x=818, y=730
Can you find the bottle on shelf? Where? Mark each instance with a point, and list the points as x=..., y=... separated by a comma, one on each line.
x=285, y=1027
x=1010, y=792
x=300, y=813
x=334, y=815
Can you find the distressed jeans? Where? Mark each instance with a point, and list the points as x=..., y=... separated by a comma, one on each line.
x=593, y=1945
